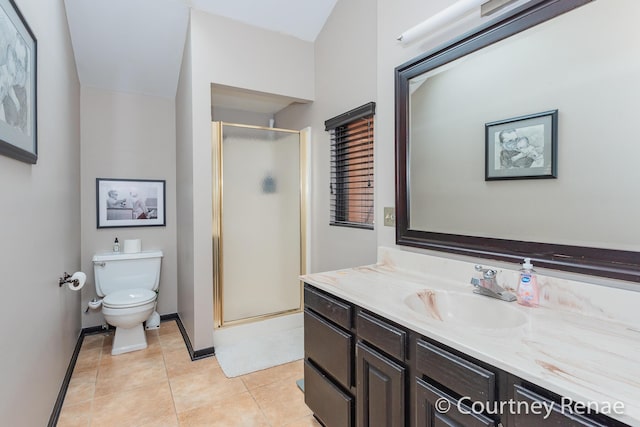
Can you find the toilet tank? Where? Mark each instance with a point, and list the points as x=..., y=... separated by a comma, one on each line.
x=118, y=271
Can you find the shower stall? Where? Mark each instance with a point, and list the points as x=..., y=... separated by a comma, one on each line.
x=259, y=227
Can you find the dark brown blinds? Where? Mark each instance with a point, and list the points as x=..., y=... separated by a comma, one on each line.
x=351, y=184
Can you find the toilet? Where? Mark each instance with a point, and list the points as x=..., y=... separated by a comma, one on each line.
x=128, y=283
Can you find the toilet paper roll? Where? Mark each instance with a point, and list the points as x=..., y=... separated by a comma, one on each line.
x=132, y=246
x=77, y=281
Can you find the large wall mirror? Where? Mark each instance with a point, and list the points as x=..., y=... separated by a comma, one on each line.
x=578, y=57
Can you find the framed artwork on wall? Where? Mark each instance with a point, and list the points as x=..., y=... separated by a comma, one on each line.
x=130, y=203
x=18, y=124
x=523, y=147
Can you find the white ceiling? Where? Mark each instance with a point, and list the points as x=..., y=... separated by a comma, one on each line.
x=136, y=45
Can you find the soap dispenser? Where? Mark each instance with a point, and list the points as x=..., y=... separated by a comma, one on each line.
x=116, y=245
x=528, y=292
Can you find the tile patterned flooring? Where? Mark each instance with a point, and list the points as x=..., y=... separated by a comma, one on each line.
x=160, y=386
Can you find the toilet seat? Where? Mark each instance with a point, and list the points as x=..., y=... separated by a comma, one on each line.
x=129, y=298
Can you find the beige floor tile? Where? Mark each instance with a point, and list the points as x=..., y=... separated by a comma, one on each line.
x=88, y=360
x=281, y=402
x=76, y=415
x=144, y=406
x=171, y=342
x=145, y=375
x=178, y=362
x=168, y=421
x=211, y=359
x=92, y=341
x=152, y=364
x=169, y=327
x=79, y=391
x=237, y=411
x=87, y=376
x=293, y=370
x=196, y=390
x=306, y=421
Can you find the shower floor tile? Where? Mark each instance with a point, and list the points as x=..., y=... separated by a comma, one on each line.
x=161, y=386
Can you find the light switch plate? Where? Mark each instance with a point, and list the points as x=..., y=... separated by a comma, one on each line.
x=390, y=217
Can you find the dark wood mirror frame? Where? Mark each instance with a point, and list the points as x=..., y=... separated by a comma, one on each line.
x=616, y=264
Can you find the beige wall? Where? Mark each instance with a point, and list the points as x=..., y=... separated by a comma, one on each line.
x=127, y=136
x=229, y=53
x=242, y=117
x=346, y=76
x=184, y=192
x=40, y=234
x=225, y=52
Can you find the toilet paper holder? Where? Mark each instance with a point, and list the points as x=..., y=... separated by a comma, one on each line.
x=66, y=278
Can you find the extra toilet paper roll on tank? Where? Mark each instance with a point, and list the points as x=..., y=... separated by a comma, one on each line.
x=81, y=280
x=132, y=246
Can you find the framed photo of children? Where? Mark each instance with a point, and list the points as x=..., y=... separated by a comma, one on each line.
x=130, y=203
x=18, y=124
x=523, y=147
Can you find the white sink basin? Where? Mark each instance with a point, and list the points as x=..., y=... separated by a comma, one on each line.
x=468, y=309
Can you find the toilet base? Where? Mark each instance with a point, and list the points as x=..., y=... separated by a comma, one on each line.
x=153, y=322
x=128, y=339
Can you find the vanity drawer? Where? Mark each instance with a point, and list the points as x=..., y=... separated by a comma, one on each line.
x=328, y=347
x=558, y=416
x=381, y=334
x=430, y=410
x=459, y=375
x=333, y=407
x=331, y=308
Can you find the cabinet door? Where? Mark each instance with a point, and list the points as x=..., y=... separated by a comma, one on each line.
x=557, y=415
x=380, y=389
x=435, y=408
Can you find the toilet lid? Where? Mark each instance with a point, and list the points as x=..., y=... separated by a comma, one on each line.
x=129, y=298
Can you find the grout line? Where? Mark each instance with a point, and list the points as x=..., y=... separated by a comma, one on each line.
x=268, y=421
x=95, y=380
x=164, y=361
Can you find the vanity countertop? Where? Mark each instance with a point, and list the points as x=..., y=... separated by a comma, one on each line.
x=588, y=359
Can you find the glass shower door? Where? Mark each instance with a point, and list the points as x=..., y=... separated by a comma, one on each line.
x=260, y=222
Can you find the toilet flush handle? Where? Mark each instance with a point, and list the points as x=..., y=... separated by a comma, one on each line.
x=100, y=264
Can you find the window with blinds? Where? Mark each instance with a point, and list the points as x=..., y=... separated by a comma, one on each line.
x=351, y=184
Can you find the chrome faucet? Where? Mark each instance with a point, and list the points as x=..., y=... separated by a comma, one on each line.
x=488, y=285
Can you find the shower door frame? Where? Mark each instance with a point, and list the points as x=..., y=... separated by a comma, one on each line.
x=218, y=216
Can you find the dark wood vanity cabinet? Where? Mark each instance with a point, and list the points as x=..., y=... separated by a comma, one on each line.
x=446, y=385
x=362, y=370
x=557, y=411
x=381, y=372
x=329, y=358
x=355, y=371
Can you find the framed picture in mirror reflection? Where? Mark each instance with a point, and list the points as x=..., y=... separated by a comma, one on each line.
x=523, y=147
